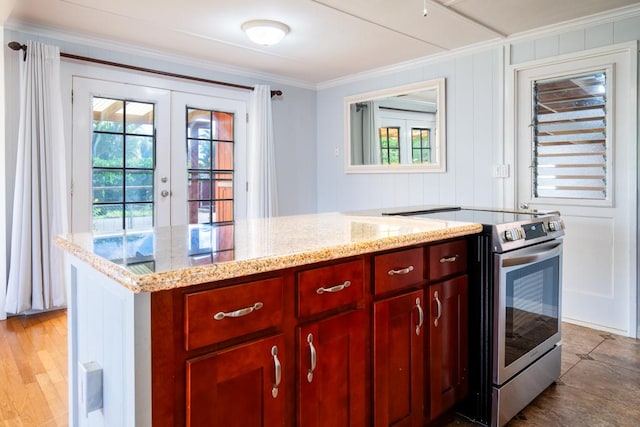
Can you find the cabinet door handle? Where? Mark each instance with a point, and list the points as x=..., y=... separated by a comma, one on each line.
x=239, y=313
x=420, y=316
x=439, y=304
x=405, y=270
x=445, y=259
x=332, y=289
x=278, y=371
x=312, y=350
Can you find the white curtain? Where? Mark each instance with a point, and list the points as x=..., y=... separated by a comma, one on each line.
x=262, y=197
x=365, y=145
x=36, y=274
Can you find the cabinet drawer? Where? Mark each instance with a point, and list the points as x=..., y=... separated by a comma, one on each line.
x=398, y=270
x=331, y=287
x=447, y=259
x=220, y=314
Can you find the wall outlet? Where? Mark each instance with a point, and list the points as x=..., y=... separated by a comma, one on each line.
x=337, y=151
x=89, y=387
x=501, y=171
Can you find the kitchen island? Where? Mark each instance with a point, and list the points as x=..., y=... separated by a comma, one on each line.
x=279, y=321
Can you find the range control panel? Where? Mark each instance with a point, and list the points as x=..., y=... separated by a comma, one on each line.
x=510, y=236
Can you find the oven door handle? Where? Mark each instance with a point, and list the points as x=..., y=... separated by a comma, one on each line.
x=528, y=259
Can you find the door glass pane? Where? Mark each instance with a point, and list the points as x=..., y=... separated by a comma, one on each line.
x=198, y=154
x=210, y=167
x=123, y=152
x=107, y=115
x=108, y=150
x=107, y=186
x=139, y=186
x=140, y=152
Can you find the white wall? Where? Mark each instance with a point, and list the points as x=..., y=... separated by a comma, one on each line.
x=474, y=140
x=474, y=122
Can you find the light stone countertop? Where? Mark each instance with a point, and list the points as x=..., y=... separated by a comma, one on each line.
x=171, y=257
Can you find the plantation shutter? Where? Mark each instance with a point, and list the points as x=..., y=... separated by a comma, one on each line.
x=570, y=145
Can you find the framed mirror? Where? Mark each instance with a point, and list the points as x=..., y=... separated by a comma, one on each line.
x=400, y=129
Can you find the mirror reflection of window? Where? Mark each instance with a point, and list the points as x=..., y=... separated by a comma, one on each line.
x=389, y=145
x=416, y=112
x=420, y=145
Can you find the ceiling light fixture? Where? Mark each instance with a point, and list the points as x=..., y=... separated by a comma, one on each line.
x=424, y=10
x=265, y=32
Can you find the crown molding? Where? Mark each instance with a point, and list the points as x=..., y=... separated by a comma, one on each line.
x=563, y=27
x=84, y=41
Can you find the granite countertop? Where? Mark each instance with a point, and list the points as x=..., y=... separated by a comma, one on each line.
x=171, y=257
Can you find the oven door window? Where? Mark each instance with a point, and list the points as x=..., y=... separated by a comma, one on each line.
x=531, y=307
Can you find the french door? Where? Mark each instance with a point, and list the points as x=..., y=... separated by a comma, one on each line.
x=148, y=157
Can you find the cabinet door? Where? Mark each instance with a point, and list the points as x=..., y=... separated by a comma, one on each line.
x=447, y=374
x=332, y=372
x=398, y=360
x=241, y=386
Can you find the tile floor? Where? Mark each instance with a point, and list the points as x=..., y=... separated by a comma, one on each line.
x=599, y=384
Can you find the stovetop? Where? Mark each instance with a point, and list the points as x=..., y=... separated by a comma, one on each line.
x=509, y=229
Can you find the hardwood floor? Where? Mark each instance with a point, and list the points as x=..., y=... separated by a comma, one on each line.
x=599, y=384
x=33, y=370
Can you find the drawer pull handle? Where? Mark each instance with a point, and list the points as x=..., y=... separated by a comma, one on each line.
x=278, y=371
x=420, y=316
x=312, y=350
x=239, y=313
x=439, y=304
x=449, y=258
x=336, y=288
x=401, y=271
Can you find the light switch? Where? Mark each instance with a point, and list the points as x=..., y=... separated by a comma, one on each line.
x=501, y=171
x=89, y=387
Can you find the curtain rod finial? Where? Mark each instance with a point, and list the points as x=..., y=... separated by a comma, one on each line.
x=276, y=93
x=19, y=46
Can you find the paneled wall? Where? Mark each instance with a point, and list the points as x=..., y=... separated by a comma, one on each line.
x=474, y=141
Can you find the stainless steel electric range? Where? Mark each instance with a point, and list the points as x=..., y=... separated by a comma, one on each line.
x=514, y=308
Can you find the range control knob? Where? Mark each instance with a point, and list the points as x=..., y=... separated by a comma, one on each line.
x=514, y=234
x=556, y=225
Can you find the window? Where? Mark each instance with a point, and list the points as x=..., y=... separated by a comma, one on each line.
x=570, y=137
x=209, y=166
x=389, y=145
x=420, y=145
x=123, y=143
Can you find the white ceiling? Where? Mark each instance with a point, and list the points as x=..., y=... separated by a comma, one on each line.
x=329, y=39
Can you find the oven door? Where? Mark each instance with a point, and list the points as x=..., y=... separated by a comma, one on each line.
x=527, y=320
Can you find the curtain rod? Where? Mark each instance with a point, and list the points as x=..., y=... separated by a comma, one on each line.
x=18, y=46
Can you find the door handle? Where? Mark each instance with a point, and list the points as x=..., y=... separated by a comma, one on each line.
x=313, y=361
x=164, y=193
x=439, y=312
x=420, y=316
x=278, y=371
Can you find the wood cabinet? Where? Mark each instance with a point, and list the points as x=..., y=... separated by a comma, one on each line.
x=447, y=350
x=398, y=336
x=378, y=339
x=398, y=360
x=237, y=387
x=332, y=372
